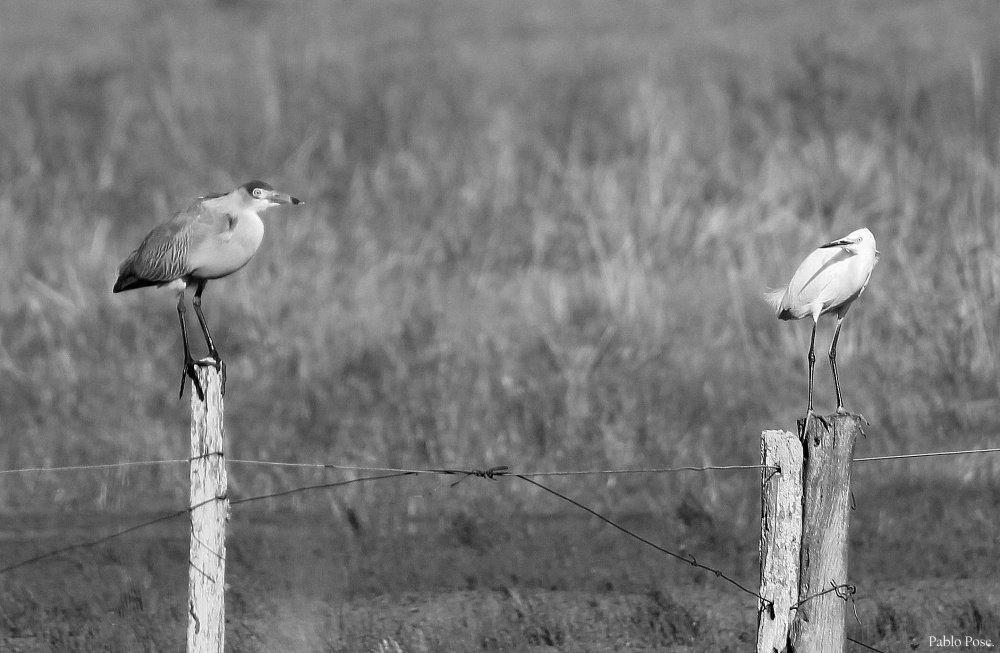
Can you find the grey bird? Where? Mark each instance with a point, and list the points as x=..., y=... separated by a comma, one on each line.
x=213, y=237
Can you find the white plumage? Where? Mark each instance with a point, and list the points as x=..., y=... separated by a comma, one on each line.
x=828, y=280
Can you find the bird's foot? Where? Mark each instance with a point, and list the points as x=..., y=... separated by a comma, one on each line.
x=806, y=421
x=221, y=366
x=861, y=418
x=804, y=424
x=191, y=370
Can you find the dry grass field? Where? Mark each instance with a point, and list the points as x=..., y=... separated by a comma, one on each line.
x=537, y=234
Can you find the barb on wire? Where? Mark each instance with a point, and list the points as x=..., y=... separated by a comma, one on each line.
x=491, y=473
x=843, y=591
x=106, y=538
x=690, y=559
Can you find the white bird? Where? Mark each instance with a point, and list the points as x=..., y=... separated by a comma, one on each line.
x=830, y=279
x=213, y=237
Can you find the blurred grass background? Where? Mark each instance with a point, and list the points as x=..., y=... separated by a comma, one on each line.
x=536, y=234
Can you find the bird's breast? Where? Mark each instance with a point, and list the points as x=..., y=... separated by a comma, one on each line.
x=229, y=250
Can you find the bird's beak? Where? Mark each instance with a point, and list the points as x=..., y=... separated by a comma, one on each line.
x=843, y=242
x=282, y=198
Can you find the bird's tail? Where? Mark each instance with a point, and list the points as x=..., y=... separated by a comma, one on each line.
x=128, y=280
x=775, y=297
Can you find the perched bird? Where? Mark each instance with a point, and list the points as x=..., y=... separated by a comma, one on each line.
x=830, y=279
x=213, y=237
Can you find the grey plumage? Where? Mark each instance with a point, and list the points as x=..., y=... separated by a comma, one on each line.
x=213, y=237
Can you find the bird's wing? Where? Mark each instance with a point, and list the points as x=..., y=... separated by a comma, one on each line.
x=160, y=258
x=210, y=223
x=164, y=254
x=822, y=280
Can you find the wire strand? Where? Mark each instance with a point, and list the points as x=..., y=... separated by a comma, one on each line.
x=863, y=645
x=322, y=486
x=582, y=472
x=73, y=468
x=928, y=454
x=346, y=468
x=102, y=540
x=687, y=559
x=652, y=470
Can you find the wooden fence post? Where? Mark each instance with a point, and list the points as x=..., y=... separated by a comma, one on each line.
x=209, y=513
x=820, y=619
x=780, y=538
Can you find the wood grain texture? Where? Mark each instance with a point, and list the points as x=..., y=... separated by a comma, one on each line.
x=829, y=448
x=210, y=511
x=781, y=537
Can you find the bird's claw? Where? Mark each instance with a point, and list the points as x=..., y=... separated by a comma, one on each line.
x=804, y=424
x=857, y=416
x=221, y=366
x=861, y=418
x=191, y=370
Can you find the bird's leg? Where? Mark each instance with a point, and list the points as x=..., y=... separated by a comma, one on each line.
x=833, y=364
x=212, y=351
x=189, y=362
x=812, y=367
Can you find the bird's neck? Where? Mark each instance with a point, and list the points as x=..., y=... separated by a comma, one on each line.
x=248, y=229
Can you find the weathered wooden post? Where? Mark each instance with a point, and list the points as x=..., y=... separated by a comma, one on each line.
x=819, y=625
x=780, y=538
x=209, y=513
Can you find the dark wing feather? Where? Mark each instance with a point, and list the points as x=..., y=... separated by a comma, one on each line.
x=161, y=257
x=164, y=254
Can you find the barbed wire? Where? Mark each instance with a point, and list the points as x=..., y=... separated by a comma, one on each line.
x=102, y=540
x=178, y=513
x=651, y=470
x=579, y=472
x=492, y=473
x=928, y=454
x=843, y=591
x=321, y=486
x=689, y=559
x=863, y=645
x=846, y=592
x=75, y=468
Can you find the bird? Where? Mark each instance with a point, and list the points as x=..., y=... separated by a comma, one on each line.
x=213, y=237
x=828, y=280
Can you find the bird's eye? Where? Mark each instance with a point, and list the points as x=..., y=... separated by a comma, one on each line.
x=258, y=192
